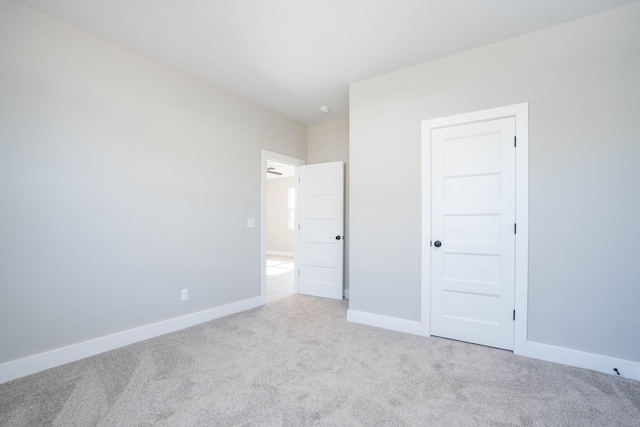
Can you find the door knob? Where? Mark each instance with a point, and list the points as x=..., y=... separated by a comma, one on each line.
x=437, y=243
x=338, y=237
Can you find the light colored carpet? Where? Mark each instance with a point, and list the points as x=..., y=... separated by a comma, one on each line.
x=297, y=362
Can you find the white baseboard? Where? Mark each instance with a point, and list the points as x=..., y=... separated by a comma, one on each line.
x=281, y=253
x=386, y=322
x=50, y=359
x=580, y=359
x=564, y=356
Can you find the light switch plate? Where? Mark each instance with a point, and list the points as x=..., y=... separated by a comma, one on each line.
x=251, y=223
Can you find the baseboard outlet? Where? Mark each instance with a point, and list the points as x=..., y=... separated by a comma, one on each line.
x=581, y=359
x=281, y=253
x=386, y=322
x=50, y=359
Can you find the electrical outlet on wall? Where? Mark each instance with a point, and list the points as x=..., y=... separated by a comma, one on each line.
x=185, y=294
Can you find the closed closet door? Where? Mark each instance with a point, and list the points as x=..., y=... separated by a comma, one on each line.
x=472, y=229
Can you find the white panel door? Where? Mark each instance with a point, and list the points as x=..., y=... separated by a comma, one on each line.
x=321, y=225
x=473, y=241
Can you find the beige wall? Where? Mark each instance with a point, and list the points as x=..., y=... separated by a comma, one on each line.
x=329, y=142
x=581, y=80
x=279, y=237
x=122, y=182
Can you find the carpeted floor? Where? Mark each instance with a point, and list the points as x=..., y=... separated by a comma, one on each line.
x=297, y=362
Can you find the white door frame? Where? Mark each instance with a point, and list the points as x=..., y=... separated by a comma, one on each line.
x=521, y=114
x=269, y=155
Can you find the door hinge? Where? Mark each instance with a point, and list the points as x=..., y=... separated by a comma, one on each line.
x=298, y=180
x=515, y=228
x=515, y=141
x=298, y=226
x=298, y=272
x=514, y=315
x=430, y=242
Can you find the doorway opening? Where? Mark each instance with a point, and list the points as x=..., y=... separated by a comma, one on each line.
x=278, y=235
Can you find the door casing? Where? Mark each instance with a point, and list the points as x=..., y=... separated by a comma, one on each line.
x=521, y=114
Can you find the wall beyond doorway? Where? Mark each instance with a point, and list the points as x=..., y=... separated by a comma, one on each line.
x=280, y=238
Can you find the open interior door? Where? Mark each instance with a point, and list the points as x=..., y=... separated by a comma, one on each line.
x=321, y=229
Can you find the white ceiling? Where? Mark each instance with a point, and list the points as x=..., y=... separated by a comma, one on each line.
x=293, y=56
